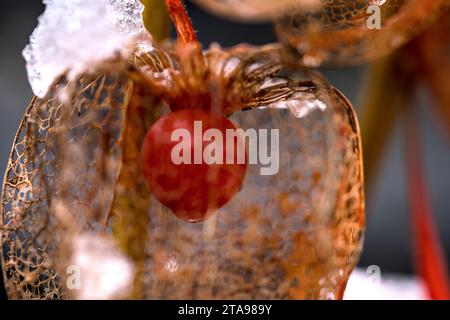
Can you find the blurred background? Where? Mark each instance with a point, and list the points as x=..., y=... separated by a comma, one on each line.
x=387, y=243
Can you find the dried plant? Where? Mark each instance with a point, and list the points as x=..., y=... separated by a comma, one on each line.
x=74, y=194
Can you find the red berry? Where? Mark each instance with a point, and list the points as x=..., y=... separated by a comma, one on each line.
x=193, y=190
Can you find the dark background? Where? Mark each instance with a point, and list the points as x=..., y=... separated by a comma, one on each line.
x=388, y=232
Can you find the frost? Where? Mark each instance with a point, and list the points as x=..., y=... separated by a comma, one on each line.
x=75, y=34
x=103, y=271
x=364, y=286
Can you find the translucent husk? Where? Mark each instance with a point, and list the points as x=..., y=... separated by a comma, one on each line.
x=74, y=171
x=340, y=32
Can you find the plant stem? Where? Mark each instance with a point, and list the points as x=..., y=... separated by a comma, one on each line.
x=389, y=89
x=156, y=19
x=430, y=258
x=433, y=49
x=130, y=219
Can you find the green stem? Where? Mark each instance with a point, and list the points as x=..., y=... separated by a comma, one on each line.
x=156, y=19
x=130, y=210
x=389, y=89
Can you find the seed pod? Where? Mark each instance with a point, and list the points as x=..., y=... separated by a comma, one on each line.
x=353, y=32
x=74, y=170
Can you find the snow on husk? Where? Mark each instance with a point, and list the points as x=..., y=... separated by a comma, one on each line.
x=73, y=35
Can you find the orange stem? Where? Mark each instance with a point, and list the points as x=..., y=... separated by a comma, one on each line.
x=182, y=22
x=430, y=258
